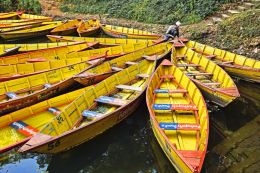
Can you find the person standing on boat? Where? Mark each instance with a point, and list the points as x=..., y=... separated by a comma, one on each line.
x=173, y=31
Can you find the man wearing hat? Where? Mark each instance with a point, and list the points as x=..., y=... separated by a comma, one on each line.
x=173, y=31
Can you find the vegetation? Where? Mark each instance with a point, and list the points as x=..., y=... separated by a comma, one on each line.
x=30, y=6
x=150, y=11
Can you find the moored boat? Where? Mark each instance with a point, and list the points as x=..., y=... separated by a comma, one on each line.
x=45, y=54
x=124, y=32
x=216, y=85
x=34, y=17
x=29, y=33
x=56, y=38
x=11, y=15
x=18, y=127
x=106, y=69
x=245, y=68
x=11, y=25
x=18, y=93
x=67, y=28
x=95, y=111
x=88, y=28
x=179, y=117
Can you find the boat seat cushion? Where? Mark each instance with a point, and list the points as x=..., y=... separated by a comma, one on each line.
x=111, y=101
x=157, y=91
x=91, y=115
x=54, y=110
x=183, y=107
x=11, y=95
x=23, y=128
x=179, y=126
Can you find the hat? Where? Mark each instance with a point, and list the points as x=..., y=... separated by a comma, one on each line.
x=178, y=23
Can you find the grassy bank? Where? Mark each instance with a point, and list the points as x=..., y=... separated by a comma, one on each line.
x=239, y=33
x=30, y=6
x=149, y=11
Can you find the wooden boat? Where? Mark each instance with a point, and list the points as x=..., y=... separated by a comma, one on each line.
x=11, y=25
x=216, y=85
x=45, y=54
x=28, y=33
x=67, y=28
x=179, y=117
x=236, y=65
x=11, y=15
x=88, y=28
x=124, y=32
x=38, y=56
x=106, y=69
x=5, y=30
x=35, y=17
x=19, y=93
x=8, y=49
x=56, y=38
x=95, y=111
x=32, y=119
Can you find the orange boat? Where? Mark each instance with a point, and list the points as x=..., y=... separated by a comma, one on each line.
x=67, y=28
x=89, y=28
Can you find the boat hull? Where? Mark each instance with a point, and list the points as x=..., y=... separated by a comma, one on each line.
x=17, y=36
x=89, y=33
x=252, y=75
x=173, y=157
x=72, y=31
x=21, y=102
x=85, y=133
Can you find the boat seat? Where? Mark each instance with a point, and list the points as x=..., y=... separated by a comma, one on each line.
x=212, y=83
x=130, y=63
x=54, y=111
x=91, y=115
x=143, y=75
x=116, y=69
x=11, y=95
x=179, y=45
x=227, y=62
x=176, y=91
x=179, y=126
x=111, y=101
x=47, y=85
x=210, y=56
x=167, y=77
x=182, y=107
x=191, y=154
x=85, y=74
x=151, y=58
x=23, y=128
x=128, y=87
x=12, y=49
x=199, y=74
x=36, y=60
x=188, y=65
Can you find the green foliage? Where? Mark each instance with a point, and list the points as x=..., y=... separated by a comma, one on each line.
x=151, y=11
x=30, y=6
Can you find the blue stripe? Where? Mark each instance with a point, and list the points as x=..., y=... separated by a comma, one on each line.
x=169, y=126
x=162, y=106
x=161, y=91
x=19, y=126
x=90, y=114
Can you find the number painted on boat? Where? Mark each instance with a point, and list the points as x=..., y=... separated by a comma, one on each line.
x=59, y=119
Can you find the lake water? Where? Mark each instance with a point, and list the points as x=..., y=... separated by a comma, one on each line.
x=130, y=147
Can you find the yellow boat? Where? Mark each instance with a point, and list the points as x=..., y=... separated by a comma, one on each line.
x=35, y=116
x=22, y=92
x=216, y=85
x=34, y=17
x=124, y=32
x=88, y=28
x=236, y=65
x=56, y=38
x=8, y=49
x=93, y=112
x=11, y=15
x=38, y=56
x=178, y=116
x=108, y=68
x=10, y=25
x=14, y=21
x=4, y=30
x=46, y=54
x=28, y=33
x=67, y=28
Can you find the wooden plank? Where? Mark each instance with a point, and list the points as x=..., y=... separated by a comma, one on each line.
x=117, y=68
x=128, y=87
x=111, y=101
x=188, y=65
x=143, y=75
x=130, y=63
x=199, y=74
